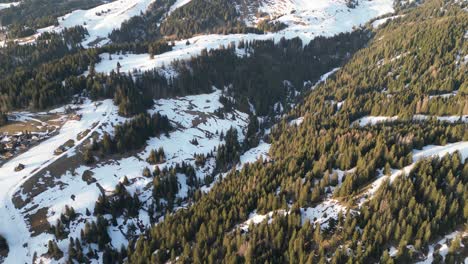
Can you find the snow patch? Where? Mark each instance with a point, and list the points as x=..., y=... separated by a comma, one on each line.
x=178, y=4
x=252, y=155
x=256, y=219
x=444, y=247
x=8, y=5
x=377, y=23
x=374, y=120
x=323, y=212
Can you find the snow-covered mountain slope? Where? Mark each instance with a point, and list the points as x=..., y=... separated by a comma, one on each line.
x=309, y=20
x=12, y=225
x=305, y=19
x=322, y=16
x=101, y=20
x=193, y=116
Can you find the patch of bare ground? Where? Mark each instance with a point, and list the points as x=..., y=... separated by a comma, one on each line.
x=82, y=135
x=96, y=41
x=3, y=248
x=38, y=223
x=46, y=178
x=201, y=118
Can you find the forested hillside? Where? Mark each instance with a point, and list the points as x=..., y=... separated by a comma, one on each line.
x=246, y=131
x=409, y=65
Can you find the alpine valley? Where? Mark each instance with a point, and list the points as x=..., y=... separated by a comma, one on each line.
x=233, y=131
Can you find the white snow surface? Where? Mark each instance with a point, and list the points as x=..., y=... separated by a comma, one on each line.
x=445, y=95
x=312, y=17
x=377, y=23
x=373, y=120
x=319, y=214
x=143, y=62
x=432, y=151
x=255, y=219
x=323, y=78
x=296, y=122
x=450, y=119
x=252, y=155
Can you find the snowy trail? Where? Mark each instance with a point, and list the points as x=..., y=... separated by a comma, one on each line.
x=178, y=4
x=374, y=120
x=427, y=151
x=12, y=224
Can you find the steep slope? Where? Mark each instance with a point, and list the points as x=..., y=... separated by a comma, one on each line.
x=325, y=157
x=124, y=181
x=124, y=21
x=352, y=168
